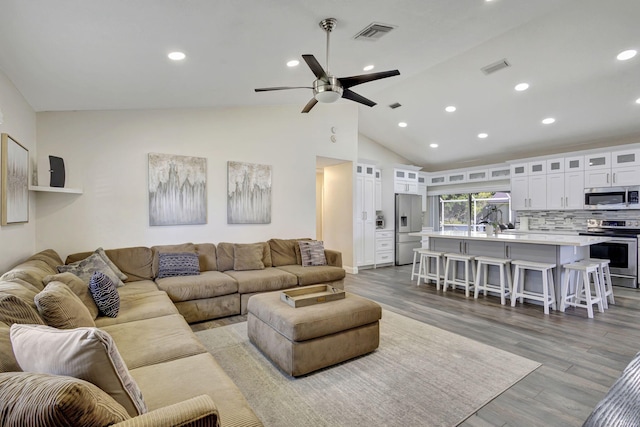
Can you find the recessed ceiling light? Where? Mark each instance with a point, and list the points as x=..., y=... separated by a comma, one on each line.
x=433, y=145
x=177, y=56
x=627, y=54
x=483, y=135
x=638, y=101
x=548, y=120
x=450, y=109
x=293, y=63
x=522, y=86
x=368, y=68
x=402, y=124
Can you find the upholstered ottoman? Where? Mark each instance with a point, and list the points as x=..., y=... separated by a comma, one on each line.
x=304, y=339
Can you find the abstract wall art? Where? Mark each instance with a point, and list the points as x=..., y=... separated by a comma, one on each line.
x=15, y=181
x=177, y=190
x=248, y=193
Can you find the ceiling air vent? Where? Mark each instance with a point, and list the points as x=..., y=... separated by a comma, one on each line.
x=395, y=105
x=374, y=31
x=496, y=66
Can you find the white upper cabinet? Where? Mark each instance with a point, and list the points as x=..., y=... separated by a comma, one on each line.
x=555, y=165
x=575, y=163
x=477, y=175
x=405, y=181
x=615, y=168
x=456, y=178
x=503, y=172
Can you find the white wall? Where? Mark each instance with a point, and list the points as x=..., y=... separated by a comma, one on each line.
x=337, y=221
x=17, y=241
x=105, y=153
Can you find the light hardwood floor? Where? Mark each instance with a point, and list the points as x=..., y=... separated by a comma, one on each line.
x=581, y=357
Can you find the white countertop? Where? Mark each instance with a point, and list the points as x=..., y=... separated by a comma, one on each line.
x=534, y=238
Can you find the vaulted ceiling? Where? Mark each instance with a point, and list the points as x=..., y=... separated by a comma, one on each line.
x=97, y=54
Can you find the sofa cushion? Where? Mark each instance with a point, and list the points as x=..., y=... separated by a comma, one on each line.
x=8, y=361
x=199, y=374
x=139, y=306
x=269, y=279
x=137, y=288
x=32, y=271
x=172, y=264
x=207, y=284
x=105, y=294
x=24, y=291
x=49, y=256
x=150, y=341
x=312, y=253
x=285, y=251
x=14, y=309
x=136, y=262
x=88, y=354
x=85, y=268
x=248, y=256
x=34, y=399
x=225, y=255
x=207, y=256
x=315, y=274
x=61, y=308
x=78, y=287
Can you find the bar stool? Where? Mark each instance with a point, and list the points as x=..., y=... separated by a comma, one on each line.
x=424, y=269
x=583, y=273
x=548, y=294
x=466, y=281
x=414, y=273
x=606, y=285
x=505, y=286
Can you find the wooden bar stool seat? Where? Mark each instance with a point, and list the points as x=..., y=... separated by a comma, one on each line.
x=547, y=296
x=504, y=287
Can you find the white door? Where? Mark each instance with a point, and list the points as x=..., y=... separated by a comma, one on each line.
x=519, y=193
x=538, y=192
x=555, y=191
x=574, y=190
x=359, y=220
x=369, y=207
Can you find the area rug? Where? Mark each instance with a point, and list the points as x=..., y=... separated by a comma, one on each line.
x=419, y=376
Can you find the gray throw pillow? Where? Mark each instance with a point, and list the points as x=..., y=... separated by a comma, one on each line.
x=312, y=253
x=85, y=268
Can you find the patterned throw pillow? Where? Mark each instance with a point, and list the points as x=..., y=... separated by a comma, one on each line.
x=89, y=354
x=105, y=294
x=312, y=253
x=86, y=267
x=178, y=264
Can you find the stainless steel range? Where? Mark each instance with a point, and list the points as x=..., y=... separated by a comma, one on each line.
x=622, y=250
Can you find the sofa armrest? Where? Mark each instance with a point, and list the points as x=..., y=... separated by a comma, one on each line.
x=198, y=411
x=334, y=258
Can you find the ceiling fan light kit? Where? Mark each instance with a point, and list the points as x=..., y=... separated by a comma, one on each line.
x=328, y=88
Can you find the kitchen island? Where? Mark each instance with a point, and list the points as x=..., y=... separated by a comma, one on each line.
x=547, y=248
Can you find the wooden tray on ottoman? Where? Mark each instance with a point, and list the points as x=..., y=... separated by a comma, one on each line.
x=311, y=295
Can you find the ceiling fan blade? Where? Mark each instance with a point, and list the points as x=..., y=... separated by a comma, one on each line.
x=348, y=82
x=357, y=98
x=265, y=89
x=315, y=66
x=309, y=105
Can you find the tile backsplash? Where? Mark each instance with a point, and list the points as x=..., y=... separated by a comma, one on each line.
x=574, y=221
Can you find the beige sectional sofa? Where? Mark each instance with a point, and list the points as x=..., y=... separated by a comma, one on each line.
x=180, y=382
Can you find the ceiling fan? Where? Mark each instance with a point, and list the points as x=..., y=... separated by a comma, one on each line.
x=328, y=88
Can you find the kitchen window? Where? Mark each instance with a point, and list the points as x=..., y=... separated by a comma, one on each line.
x=472, y=211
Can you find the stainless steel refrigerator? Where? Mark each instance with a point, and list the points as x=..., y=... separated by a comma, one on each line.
x=408, y=220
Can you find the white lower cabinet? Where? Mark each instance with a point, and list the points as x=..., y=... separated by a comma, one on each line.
x=384, y=247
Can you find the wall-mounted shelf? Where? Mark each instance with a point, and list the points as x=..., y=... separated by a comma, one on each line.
x=55, y=189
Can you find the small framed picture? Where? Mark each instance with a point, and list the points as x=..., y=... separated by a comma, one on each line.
x=15, y=181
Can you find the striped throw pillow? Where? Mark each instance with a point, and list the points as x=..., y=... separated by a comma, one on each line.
x=105, y=294
x=178, y=264
x=312, y=253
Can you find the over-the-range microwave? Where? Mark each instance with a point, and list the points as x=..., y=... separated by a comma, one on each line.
x=612, y=198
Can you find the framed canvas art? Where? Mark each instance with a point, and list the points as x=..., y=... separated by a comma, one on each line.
x=248, y=193
x=177, y=190
x=15, y=181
